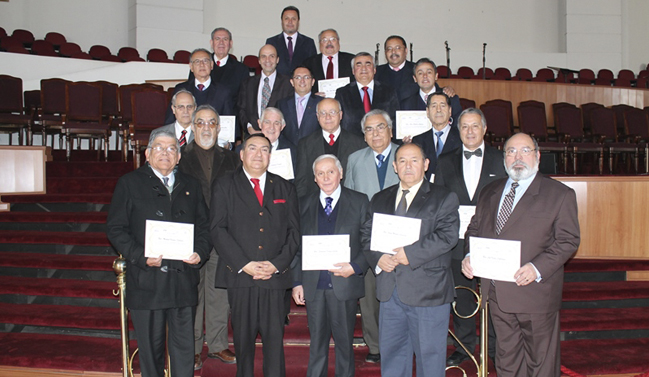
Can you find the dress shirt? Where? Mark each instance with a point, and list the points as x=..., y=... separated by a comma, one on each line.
x=326, y=134
x=274, y=145
x=223, y=61
x=472, y=169
x=305, y=100
x=446, y=130
x=424, y=95
x=400, y=67
x=206, y=84
x=171, y=176
x=370, y=90
x=262, y=180
x=412, y=191
x=271, y=82
x=179, y=130
x=325, y=64
x=334, y=195
x=385, y=153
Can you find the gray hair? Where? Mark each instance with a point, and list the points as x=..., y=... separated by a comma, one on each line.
x=272, y=110
x=360, y=54
x=206, y=107
x=220, y=29
x=326, y=156
x=326, y=30
x=536, y=144
x=199, y=50
x=173, y=99
x=472, y=110
x=158, y=132
x=386, y=116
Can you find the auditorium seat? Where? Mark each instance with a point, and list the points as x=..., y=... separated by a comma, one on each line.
x=625, y=83
x=641, y=83
x=619, y=116
x=569, y=125
x=252, y=62
x=545, y=74
x=465, y=72
x=158, y=56
x=467, y=103
x=69, y=49
x=497, y=124
x=56, y=39
x=12, y=115
x=83, y=117
x=503, y=72
x=43, y=48
x=149, y=108
x=32, y=99
x=636, y=127
x=110, y=107
x=565, y=77
x=626, y=74
x=605, y=74
x=443, y=72
x=52, y=112
x=533, y=121
x=129, y=54
x=182, y=56
x=507, y=105
x=24, y=36
x=489, y=73
x=586, y=76
x=586, y=108
x=602, y=81
x=3, y=32
x=11, y=44
x=99, y=51
x=523, y=74
x=604, y=131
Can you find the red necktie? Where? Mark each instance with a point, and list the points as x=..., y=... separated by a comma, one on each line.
x=182, y=139
x=260, y=196
x=200, y=87
x=330, y=68
x=366, y=100
x=218, y=63
x=331, y=139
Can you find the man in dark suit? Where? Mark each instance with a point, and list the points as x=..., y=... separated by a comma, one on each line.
x=331, y=295
x=202, y=88
x=415, y=284
x=359, y=97
x=255, y=229
x=300, y=109
x=369, y=170
x=541, y=213
x=397, y=72
x=330, y=63
x=331, y=139
x=206, y=161
x=466, y=171
x=271, y=124
x=424, y=74
x=161, y=293
x=443, y=137
x=182, y=106
x=261, y=91
x=292, y=47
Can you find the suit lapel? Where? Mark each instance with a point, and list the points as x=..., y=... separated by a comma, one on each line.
x=524, y=203
x=459, y=174
x=311, y=218
x=247, y=193
x=418, y=201
x=494, y=203
x=216, y=164
x=344, y=210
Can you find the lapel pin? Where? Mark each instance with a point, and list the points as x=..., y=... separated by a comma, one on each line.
x=187, y=193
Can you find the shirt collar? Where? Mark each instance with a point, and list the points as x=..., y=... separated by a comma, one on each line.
x=223, y=61
x=400, y=66
x=334, y=195
x=206, y=83
x=370, y=85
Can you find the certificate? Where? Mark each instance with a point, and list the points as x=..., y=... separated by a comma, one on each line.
x=322, y=252
x=329, y=86
x=466, y=213
x=495, y=259
x=228, y=126
x=281, y=164
x=390, y=232
x=412, y=123
x=169, y=239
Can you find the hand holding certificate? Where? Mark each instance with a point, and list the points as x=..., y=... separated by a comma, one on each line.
x=412, y=123
x=169, y=239
x=390, y=232
x=228, y=126
x=324, y=252
x=495, y=259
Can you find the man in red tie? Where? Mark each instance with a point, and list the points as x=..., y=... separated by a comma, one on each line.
x=330, y=63
x=182, y=107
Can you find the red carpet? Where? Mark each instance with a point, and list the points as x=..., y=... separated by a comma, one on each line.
x=17, y=285
x=57, y=238
x=604, y=319
x=596, y=265
x=606, y=356
x=60, y=316
x=56, y=261
x=54, y=217
x=605, y=290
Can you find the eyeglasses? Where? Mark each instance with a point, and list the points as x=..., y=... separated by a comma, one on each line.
x=204, y=61
x=211, y=123
x=330, y=39
x=525, y=151
x=395, y=48
x=331, y=113
x=183, y=107
x=170, y=149
x=300, y=78
x=381, y=128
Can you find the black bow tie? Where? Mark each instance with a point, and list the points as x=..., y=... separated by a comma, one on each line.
x=477, y=152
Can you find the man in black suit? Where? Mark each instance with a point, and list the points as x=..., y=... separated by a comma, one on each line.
x=202, y=88
x=292, y=47
x=414, y=282
x=161, y=293
x=424, y=74
x=331, y=139
x=397, y=72
x=255, y=229
x=261, y=91
x=331, y=296
x=204, y=160
x=330, y=63
x=300, y=109
x=182, y=106
x=271, y=124
x=466, y=171
x=443, y=137
x=364, y=94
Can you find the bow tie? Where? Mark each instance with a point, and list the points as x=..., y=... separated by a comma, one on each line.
x=477, y=152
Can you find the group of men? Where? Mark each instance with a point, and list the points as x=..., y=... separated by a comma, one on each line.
x=349, y=167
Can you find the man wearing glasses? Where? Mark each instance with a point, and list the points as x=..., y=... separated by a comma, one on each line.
x=397, y=72
x=182, y=107
x=300, y=109
x=330, y=63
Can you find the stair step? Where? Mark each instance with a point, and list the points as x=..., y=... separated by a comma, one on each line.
x=87, y=169
x=56, y=261
x=594, y=291
x=602, y=319
x=59, y=198
x=605, y=356
x=60, y=316
x=599, y=265
x=56, y=238
x=73, y=185
x=16, y=285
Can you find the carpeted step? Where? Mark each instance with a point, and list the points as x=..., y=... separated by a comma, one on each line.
x=595, y=291
x=56, y=238
x=606, y=356
x=60, y=316
x=602, y=319
x=599, y=265
x=54, y=217
x=74, y=185
x=298, y=331
x=87, y=169
x=56, y=261
x=102, y=198
x=17, y=285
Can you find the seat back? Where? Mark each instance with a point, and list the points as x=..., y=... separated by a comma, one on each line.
x=24, y=36
x=43, y=48
x=497, y=121
x=11, y=94
x=586, y=74
x=182, y=56
x=503, y=72
x=69, y=49
x=465, y=72
x=467, y=103
x=507, y=105
x=32, y=101
x=53, y=96
x=586, y=108
x=603, y=124
x=568, y=120
x=626, y=74
x=545, y=74
x=83, y=102
x=605, y=74
x=128, y=53
x=149, y=109
x=488, y=73
x=532, y=119
x=56, y=39
x=523, y=74
x=157, y=55
x=252, y=62
x=443, y=72
x=109, y=99
x=636, y=123
x=98, y=52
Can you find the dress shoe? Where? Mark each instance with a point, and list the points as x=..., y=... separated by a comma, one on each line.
x=373, y=358
x=198, y=363
x=456, y=359
x=225, y=356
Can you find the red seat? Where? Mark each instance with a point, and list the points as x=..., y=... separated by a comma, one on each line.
x=467, y=103
x=24, y=36
x=43, y=48
x=252, y=62
x=523, y=74
x=83, y=117
x=642, y=82
x=32, y=101
x=68, y=49
x=636, y=127
x=98, y=51
x=626, y=74
x=12, y=115
x=489, y=73
x=465, y=72
x=507, y=105
x=497, y=123
x=586, y=74
x=622, y=82
x=182, y=56
x=569, y=125
x=503, y=72
x=52, y=110
x=157, y=55
x=56, y=39
x=545, y=74
x=129, y=54
x=443, y=72
x=602, y=81
x=605, y=74
x=3, y=33
x=532, y=120
x=586, y=108
x=149, y=110
x=11, y=44
x=604, y=129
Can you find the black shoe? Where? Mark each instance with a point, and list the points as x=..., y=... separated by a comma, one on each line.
x=373, y=358
x=456, y=359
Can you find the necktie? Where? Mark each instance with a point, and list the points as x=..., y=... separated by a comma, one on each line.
x=380, y=157
x=506, y=208
x=396, y=69
x=290, y=48
x=330, y=68
x=402, y=208
x=200, y=87
x=300, y=111
x=440, y=143
x=477, y=153
x=366, y=100
x=218, y=63
x=165, y=180
x=328, y=208
x=182, y=139
x=265, y=94
x=331, y=139
x=257, y=188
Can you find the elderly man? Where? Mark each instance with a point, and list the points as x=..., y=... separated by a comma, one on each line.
x=541, y=213
x=466, y=171
x=359, y=97
x=182, y=106
x=424, y=74
x=330, y=63
x=414, y=285
x=263, y=90
x=331, y=139
x=202, y=88
x=397, y=72
x=161, y=293
x=300, y=109
x=292, y=47
x=331, y=295
x=255, y=229
x=369, y=170
x=207, y=162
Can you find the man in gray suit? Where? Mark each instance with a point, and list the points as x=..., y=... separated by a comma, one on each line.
x=183, y=104
x=369, y=170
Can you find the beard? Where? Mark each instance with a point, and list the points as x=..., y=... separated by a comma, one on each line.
x=519, y=170
x=207, y=140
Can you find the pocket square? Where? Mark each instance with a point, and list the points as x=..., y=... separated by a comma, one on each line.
x=492, y=175
x=279, y=201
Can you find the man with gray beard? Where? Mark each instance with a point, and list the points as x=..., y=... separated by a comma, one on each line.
x=541, y=213
x=206, y=161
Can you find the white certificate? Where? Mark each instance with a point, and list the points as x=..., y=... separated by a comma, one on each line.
x=228, y=126
x=495, y=259
x=466, y=213
x=390, y=232
x=281, y=163
x=169, y=239
x=412, y=123
x=322, y=252
x=329, y=86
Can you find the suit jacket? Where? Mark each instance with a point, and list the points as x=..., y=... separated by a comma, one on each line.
x=401, y=81
x=427, y=280
x=171, y=127
x=303, y=47
x=351, y=206
x=283, y=144
x=309, y=120
x=216, y=95
x=231, y=75
x=243, y=231
x=311, y=147
x=427, y=141
x=361, y=174
x=450, y=174
x=415, y=102
x=545, y=221
x=384, y=98
x=140, y=196
x=314, y=64
x=247, y=102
